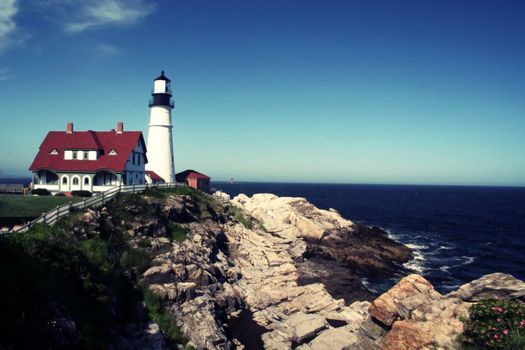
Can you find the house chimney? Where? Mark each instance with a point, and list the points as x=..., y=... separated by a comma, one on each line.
x=69, y=129
x=120, y=127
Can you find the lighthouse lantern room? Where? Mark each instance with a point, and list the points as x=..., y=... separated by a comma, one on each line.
x=160, y=140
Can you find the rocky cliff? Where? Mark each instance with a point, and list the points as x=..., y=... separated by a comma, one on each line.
x=265, y=272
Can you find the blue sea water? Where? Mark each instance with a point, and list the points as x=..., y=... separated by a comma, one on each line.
x=459, y=233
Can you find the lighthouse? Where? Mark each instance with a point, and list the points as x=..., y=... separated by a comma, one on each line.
x=160, y=140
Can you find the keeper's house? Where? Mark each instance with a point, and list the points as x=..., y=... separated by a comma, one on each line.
x=89, y=160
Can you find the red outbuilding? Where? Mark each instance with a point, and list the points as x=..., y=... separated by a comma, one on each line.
x=194, y=179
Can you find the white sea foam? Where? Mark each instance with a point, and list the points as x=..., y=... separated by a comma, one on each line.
x=416, y=246
x=417, y=263
x=444, y=268
x=366, y=283
x=468, y=260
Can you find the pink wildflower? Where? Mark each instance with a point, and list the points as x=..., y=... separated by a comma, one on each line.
x=506, y=331
x=499, y=319
x=496, y=336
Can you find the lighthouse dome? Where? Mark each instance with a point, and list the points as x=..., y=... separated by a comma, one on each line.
x=162, y=77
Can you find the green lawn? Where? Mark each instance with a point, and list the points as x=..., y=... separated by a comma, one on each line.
x=17, y=206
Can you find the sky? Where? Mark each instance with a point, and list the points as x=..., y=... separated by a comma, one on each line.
x=392, y=92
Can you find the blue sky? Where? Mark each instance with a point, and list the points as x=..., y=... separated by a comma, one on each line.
x=422, y=92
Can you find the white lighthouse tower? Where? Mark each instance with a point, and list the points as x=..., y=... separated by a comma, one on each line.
x=160, y=140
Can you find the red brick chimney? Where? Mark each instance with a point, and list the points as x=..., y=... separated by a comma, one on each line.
x=120, y=127
x=69, y=129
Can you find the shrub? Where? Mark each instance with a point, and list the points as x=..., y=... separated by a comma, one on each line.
x=177, y=232
x=81, y=193
x=166, y=321
x=60, y=194
x=496, y=324
x=144, y=243
x=239, y=215
x=40, y=192
x=135, y=258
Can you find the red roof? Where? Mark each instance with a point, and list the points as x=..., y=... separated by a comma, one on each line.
x=103, y=141
x=190, y=174
x=153, y=175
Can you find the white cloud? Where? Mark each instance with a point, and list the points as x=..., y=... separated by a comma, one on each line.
x=8, y=10
x=97, y=13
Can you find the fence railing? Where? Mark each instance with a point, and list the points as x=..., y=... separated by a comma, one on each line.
x=96, y=200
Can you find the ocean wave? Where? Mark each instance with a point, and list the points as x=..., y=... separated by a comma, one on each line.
x=444, y=268
x=416, y=264
x=366, y=283
x=416, y=246
x=468, y=259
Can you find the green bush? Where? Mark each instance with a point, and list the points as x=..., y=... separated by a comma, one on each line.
x=81, y=193
x=166, y=321
x=135, y=259
x=495, y=324
x=177, y=232
x=40, y=192
x=144, y=243
x=239, y=215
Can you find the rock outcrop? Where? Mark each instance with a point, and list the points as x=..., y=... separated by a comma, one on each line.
x=287, y=276
x=421, y=318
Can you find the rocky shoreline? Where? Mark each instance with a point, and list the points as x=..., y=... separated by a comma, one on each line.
x=268, y=272
x=287, y=276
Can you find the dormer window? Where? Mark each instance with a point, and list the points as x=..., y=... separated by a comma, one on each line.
x=75, y=155
x=54, y=152
x=112, y=152
x=86, y=155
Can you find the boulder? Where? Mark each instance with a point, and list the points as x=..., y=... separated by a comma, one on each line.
x=411, y=293
x=306, y=326
x=498, y=285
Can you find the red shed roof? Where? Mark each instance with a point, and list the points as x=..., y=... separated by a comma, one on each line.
x=190, y=174
x=102, y=141
x=153, y=175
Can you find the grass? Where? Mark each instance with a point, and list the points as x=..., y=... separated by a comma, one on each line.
x=239, y=215
x=16, y=206
x=166, y=321
x=177, y=232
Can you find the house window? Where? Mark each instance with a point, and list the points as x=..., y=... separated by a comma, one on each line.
x=112, y=152
x=86, y=155
x=75, y=181
x=54, y=152
x=74, y=154
x=86, y=181
x=64, y=180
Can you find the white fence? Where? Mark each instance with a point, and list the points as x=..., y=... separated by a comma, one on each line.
x=95, y=201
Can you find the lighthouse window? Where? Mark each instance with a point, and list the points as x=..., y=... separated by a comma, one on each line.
x=86, y=181
x=64, y=180
x=75, y=181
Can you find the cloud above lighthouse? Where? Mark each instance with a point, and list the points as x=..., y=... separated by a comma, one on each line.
x=8, y=10
x=100, y=13
x=81, y=15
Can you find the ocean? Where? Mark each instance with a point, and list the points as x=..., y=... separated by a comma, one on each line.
x=458, y=233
